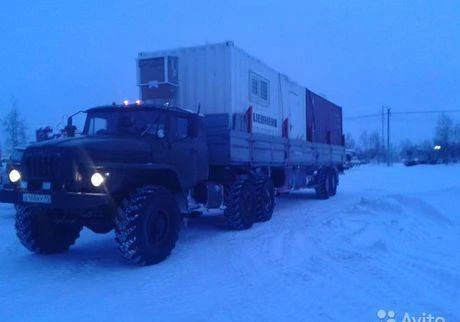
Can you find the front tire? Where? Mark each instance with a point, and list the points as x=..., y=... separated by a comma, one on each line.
x=147, y=226
x=39, y=233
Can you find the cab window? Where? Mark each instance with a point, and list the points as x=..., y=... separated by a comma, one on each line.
x=97, y=125
x=153, y=126
x=182, y=125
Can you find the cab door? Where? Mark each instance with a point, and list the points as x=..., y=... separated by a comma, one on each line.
x=184, y=152
x=156, y=131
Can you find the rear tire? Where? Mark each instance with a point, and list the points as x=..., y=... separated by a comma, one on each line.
x=323, y=186
x=239, y=212
x=334, y=183
x=265, y=197
x=37, y=231
x=147, y=226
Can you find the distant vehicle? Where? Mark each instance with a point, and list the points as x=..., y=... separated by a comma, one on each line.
x=422, y=156
x=351, y=159
x=411, y=162
x=355, y=161
x=13, y=162
x=137, y=167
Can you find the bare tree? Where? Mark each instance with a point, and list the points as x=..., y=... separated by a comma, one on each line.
x=444, y=130
x=375, y=146
x=407, y=149
x=427, y=145
x=14, y=129
x=457, y=133
x=457, y=141
x=444, y=135
x=349, y=141
x=370, y=146
x=364, y=140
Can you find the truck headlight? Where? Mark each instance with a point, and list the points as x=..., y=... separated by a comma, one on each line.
x=97, y=179
x=14, y=176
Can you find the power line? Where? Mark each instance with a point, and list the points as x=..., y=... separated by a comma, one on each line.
x=403, y=113
x=361, y=116
x=428, y=112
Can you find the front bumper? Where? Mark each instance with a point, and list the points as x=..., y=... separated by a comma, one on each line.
x=59, y=200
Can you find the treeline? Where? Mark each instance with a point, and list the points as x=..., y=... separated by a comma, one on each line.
x=444, y=146
x=14, y=130
x=369, y=147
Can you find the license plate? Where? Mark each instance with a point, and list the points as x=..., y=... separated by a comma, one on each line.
x=36, y=198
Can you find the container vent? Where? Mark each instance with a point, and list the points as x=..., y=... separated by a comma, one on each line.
x=159, y=79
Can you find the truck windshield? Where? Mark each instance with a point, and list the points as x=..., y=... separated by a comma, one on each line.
x=137, y=123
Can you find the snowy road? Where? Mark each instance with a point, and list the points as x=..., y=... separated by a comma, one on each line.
x=389, y=240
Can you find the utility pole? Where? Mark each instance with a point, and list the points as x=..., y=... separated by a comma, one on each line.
x=388, y=137
x=382, y=146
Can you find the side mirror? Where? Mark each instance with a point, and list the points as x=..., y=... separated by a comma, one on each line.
x=70, y=128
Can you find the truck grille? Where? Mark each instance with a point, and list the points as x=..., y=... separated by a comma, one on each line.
x=45, y=166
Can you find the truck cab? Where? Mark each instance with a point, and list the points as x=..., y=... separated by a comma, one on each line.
x=119, y=149
x=127, y=159
x=167, y=138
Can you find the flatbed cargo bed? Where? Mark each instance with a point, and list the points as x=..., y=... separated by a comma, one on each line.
x=230, y=147
x=227, y=146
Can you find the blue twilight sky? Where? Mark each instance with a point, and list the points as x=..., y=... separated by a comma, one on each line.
x=61, y=56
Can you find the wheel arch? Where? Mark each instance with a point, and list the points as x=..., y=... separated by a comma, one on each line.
x=136, y=177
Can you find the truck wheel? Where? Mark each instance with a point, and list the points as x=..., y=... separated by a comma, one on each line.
x=239, y=212
x=334, y=183
x=37, y=231
x=147, y=226
x=323, y=187
x=265, y=198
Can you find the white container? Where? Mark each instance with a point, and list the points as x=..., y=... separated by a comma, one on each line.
x=222, y=78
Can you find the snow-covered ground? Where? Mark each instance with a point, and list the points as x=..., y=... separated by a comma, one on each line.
x=389, y=240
